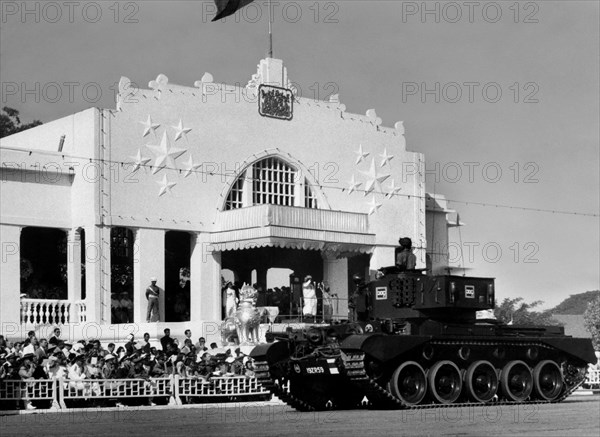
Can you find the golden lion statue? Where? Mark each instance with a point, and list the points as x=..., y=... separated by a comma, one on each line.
x=242, y=328
x=247, y=316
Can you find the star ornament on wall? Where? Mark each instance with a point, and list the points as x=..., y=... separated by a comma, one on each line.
x=149, y=126
x=190, y=167
x=165, y=186
x=181, y=131
x=375, y=179
x=165, y=154
x=392, y=190
x=373, y=205
x=353, y=185
x=361, y=154
x=139, y=161
x=385, y=158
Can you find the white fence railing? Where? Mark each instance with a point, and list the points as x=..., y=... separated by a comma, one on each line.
x=52, y=311
x=593, y=378
x=37, y=390
x=60, y=390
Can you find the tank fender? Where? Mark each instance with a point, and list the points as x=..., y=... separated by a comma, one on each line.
x=578, y=347
x=383, y=347
x=271, y=352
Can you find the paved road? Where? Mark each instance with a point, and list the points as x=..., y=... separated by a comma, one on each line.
x=578, y=416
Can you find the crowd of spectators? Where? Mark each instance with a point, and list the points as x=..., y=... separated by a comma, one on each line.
x=56, y=358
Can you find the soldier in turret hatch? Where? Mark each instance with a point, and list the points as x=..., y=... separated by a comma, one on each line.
x=405, y=258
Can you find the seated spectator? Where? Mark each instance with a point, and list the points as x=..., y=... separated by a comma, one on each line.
x=96, y=349
x=66, y=348
x=120, y=353
x=30, y=346
x=26, y=370
x=76, y=372
x=188, y=347
x=110, y=349
x=40, y=371
x=18, y=349
x=56, y=367
x=109, y=367
x=201, y=345
x=166, y=340
x=158, y=368
x=145, y=345
x=6, y=370
x=172, y=350
x=55, y=339
x=93, y=367
x=130, y=345
x=27, y=367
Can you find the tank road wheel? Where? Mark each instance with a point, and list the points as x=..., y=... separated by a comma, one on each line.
x=516, y=380
x=481, y=381
x=445, y=382
x=547, y=380
x=409, y=383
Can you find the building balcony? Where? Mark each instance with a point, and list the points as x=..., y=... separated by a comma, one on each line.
x=292, y=227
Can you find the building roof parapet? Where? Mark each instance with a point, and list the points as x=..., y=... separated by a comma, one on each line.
x=270, y=71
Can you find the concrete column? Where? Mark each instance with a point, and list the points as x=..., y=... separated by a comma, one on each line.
x=74, y=264
x=10, y=277
x=261, y=277
x=97, y=274
x=148, y=261
x=74, y=271
x=196, y=260
x=205, y=272
x=335, y=272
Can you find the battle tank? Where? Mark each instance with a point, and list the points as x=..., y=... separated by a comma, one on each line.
x=419, y=344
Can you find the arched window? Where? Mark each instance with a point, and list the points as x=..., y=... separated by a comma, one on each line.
x=270, y=181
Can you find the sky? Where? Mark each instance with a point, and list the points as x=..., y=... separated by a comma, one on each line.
x=501, y=97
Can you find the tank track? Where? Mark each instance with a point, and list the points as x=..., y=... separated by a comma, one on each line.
x=379, y=396
x=263, y=375
x=382, y=398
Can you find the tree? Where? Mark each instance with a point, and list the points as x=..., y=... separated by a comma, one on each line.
x=10, y=123
x=591, y=319
x=575, y=303
x=517, y=312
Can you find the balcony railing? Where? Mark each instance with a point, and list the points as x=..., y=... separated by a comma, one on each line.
x=293, y=217
x=52, y=311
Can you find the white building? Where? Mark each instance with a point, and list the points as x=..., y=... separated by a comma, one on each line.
x=202, y=177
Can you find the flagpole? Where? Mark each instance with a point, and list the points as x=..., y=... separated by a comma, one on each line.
x=270, y=31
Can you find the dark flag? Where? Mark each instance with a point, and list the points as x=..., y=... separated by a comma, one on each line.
x=226, y=8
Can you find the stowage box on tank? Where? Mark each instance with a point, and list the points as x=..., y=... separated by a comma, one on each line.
x=422, y=292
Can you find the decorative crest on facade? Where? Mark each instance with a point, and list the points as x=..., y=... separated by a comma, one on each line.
x=275, y=102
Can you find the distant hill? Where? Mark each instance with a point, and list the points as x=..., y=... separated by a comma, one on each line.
x=575, y=304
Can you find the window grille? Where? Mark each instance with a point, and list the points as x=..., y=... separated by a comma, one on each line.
x=310, y=200
x=121, y=242
x=234, y=200
x=273, y=182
